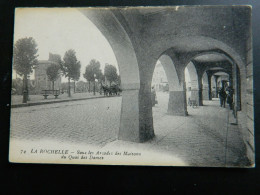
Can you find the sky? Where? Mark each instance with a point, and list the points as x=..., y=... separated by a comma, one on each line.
x=57, y=30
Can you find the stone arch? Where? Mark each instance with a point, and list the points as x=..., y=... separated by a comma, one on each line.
x=223, y=77
x=176, y=103
x=192, y=83
x=187, y=47
x=170, y=71
x=121, y=44
x=210, y=45
x=238, y=66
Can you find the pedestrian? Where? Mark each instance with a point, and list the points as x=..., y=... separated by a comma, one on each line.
x=222, y=97
x=230, y=98
x=153, y=96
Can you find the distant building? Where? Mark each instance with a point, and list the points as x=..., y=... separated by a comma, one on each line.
x=159, y=80
x=41, y=79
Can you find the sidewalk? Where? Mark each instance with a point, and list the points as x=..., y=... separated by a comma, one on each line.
x=16, y=100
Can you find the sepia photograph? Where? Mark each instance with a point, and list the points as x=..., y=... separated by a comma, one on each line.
x=152, y=86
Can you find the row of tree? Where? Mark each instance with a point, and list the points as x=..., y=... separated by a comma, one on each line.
x=25, y=58
x=70, y=67
x=94, y=74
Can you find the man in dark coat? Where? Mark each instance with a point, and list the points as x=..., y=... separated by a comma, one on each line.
x=230, y=98
x=222, y=97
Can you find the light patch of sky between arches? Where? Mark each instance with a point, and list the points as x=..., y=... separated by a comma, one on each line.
x=57, y=30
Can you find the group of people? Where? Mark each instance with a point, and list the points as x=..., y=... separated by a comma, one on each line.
x=226, y=95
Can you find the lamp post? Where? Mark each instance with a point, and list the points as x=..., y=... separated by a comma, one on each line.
x=94, y=84
x=28, y=83
x=25, y=91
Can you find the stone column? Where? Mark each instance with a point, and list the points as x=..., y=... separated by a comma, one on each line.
x=209, y=87
x=200, y=100
x=145, y=113
x=177, y=101
x=196, y=93
x=236, y=85
x=205, y=92
x=136, y=122
x=216, y=84
x=206, y=88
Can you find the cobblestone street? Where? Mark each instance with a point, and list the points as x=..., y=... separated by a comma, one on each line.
x=202, y=138
x=72, y=122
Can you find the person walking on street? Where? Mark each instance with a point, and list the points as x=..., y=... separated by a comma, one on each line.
x=222, y=97
x=230, y=98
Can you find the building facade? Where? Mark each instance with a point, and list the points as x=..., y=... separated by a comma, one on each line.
x=41, y=79
x=159, y=80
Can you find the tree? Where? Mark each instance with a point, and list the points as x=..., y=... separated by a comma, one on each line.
x=25, y=57
x=55, y=58
x=17, y=86
x=111, y=73
x=81, y=86
x=69, y=66
x=119, y=80
x=76, y=75
x=53, y=73
x=93, y=72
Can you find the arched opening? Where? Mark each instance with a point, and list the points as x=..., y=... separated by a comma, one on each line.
x=129, y=71
x=159, y=91
x=205, y=87
x=192, y=85
x=167, y=85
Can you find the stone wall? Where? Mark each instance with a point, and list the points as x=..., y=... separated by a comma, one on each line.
x=249, y=138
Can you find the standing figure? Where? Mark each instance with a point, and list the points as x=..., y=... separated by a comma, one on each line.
x=153, y=97
x=222, y=97
x=230, y=97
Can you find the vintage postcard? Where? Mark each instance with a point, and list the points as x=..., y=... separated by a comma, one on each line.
x=162, y=86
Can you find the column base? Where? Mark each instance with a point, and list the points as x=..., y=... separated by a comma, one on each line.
x=195, y=95
x=136, y=122
x=205, y=94
x=177, y=105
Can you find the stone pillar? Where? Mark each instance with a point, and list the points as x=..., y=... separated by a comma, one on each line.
x=145, y=113
x=177, y=101
x=236, y=85
x=205, y=92
x=206, y=88
x=136, y=122
x=200, y=102
x=209, y=87
x=216, y=84
x=230, y=80
x=196, y=94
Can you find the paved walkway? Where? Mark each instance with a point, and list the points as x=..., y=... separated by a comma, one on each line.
x=16, y=100
x=204, y=138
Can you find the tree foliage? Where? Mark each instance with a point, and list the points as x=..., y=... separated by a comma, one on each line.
x=55, y=58
x=76, y=73
x=81, y=86
x=93, y=71
x=70, y=65
x=25, y=55
x=53, y=72
x=111, y=73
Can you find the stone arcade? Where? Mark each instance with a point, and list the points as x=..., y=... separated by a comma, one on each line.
x=205, y=40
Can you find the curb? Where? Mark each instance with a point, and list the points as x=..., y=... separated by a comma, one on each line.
x=58, y=101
